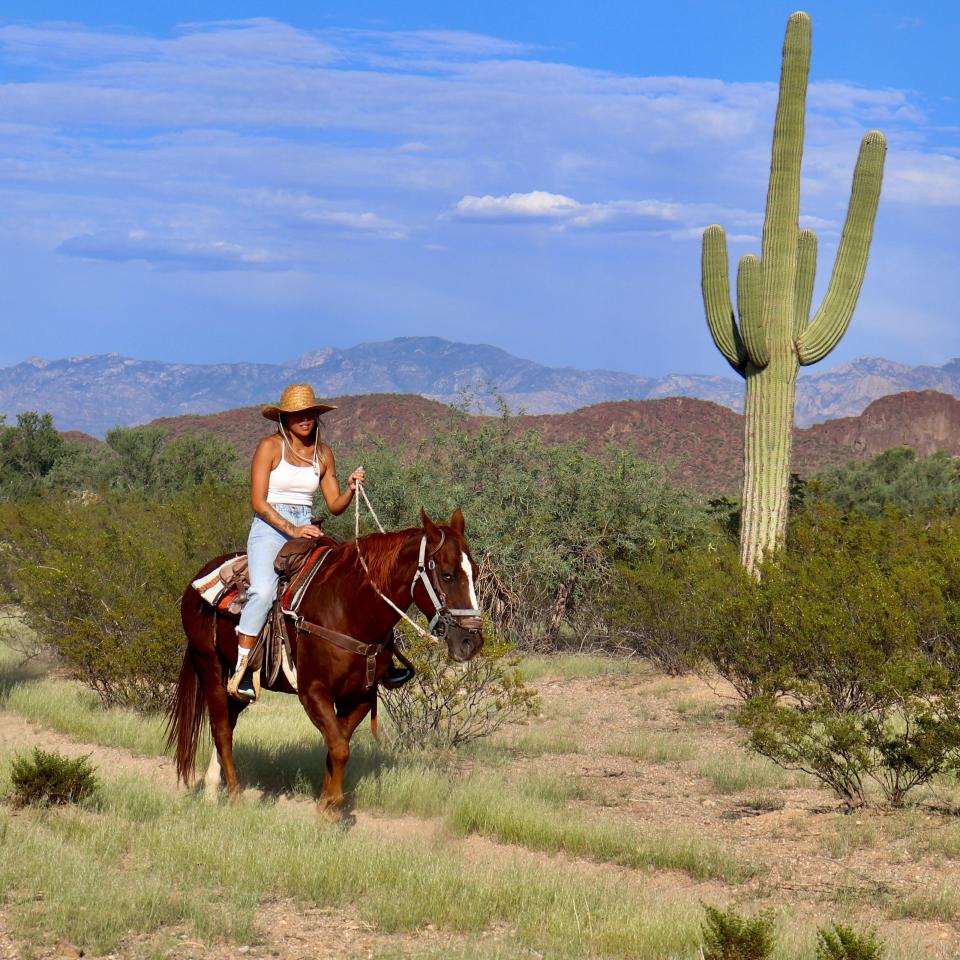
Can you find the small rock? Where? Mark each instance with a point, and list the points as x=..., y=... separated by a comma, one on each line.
x=67, y=951
x=709, y=803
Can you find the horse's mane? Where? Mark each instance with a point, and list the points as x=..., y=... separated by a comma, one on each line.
x=381, y=551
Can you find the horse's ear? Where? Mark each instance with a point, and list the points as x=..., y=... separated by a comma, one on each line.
x=429, y=527
x=457, y=521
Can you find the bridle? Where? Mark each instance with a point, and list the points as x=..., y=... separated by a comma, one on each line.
x=444, y=617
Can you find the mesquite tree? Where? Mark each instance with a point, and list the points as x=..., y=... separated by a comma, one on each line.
x=774, y=293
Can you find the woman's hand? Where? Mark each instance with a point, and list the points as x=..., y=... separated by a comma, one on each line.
x=308, y=530
x=358, y=476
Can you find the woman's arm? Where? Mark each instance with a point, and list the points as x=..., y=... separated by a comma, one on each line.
x=265, y=459
x=336, y=501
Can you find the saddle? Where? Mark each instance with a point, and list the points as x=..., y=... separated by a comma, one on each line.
x=297, y=563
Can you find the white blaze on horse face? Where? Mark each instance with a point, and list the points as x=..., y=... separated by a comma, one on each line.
x=468, y=570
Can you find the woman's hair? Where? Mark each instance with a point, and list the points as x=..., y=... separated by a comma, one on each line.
x=317, y=445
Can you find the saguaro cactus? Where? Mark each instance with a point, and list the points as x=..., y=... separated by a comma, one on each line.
x=774, y=293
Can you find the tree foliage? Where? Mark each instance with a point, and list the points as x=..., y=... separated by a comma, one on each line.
x=896, y=478
x=546, y=524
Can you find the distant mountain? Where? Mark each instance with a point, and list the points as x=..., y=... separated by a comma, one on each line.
x=96, y=392
x=699, y=441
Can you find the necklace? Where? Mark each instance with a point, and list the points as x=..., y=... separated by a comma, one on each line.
x=315, y=462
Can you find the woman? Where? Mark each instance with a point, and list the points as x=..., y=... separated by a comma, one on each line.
x=287, y=469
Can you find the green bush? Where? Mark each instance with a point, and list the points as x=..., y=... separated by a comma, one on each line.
x=28, y=453
x=653, y=606
x=728, y=935
x=100, y=581
x=44, y=779
x=896, y=478
x=448, y=704
x=843, y=943
x=847, y=652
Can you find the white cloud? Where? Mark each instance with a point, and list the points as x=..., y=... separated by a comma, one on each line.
x=536, y=205
x=169, y=252
x=674, y=220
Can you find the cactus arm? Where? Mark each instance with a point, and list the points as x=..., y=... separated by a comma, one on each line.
x=833, y=317
x=715, y=280
x=749, y=281
x=806, y=273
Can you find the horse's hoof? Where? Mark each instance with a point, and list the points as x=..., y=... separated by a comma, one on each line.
x=330, y=811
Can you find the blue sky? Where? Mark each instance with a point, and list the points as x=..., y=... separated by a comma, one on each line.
x=250, y=181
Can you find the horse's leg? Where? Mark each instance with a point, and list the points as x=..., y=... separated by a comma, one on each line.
x=211, y=779
x=223, y=712
x=321, y=711
x=350, y=718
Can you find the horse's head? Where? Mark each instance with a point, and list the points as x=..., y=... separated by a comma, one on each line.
x=444, y=589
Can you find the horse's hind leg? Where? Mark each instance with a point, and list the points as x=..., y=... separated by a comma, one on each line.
x=211, y=779
x=223, y=718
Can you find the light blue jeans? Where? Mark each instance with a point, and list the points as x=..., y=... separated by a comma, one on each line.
x=263, y=544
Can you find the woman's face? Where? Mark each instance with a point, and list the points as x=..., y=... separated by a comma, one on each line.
x=301, y=424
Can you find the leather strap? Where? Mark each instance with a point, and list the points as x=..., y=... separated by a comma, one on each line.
x=368, y=650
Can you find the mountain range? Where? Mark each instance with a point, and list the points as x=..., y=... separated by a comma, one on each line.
x=96, y=392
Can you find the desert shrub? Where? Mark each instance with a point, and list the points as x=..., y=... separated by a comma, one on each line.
x=728, y=935
x=653, y=607
x=28, y=452
x=847, y=651
x=46, y=779
x=36, y=460
x=546, y=524
x=447, y=704
x=896, y=478
x=100, y=581
x=148, y=460
x=839, y=942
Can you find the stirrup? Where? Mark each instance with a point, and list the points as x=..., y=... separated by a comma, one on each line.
x=249, y=691
x=397, y=676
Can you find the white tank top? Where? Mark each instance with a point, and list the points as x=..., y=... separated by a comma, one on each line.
x=290, y=484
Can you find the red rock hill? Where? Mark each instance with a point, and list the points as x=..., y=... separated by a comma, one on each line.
x=701, y=442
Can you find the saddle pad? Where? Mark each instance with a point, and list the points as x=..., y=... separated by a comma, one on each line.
x=228, y=602
x=290, y=599
x=210, y=586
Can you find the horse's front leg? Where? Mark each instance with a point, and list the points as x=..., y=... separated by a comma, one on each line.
x=320, y=709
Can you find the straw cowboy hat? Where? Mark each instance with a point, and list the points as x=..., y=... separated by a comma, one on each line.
x=295, y=397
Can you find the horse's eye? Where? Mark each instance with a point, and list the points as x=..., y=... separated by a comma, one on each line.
x=447, y=577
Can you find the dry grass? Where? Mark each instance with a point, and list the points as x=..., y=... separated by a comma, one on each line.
x=567, y=838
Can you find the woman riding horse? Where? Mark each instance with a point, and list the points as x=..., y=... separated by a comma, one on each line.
x=288, y=467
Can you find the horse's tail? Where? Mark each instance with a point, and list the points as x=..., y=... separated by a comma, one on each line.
x=185, y=719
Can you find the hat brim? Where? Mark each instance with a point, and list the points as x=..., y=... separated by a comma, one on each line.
x=272, y=411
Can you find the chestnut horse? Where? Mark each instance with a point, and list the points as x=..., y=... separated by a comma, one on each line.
x=430, y=565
